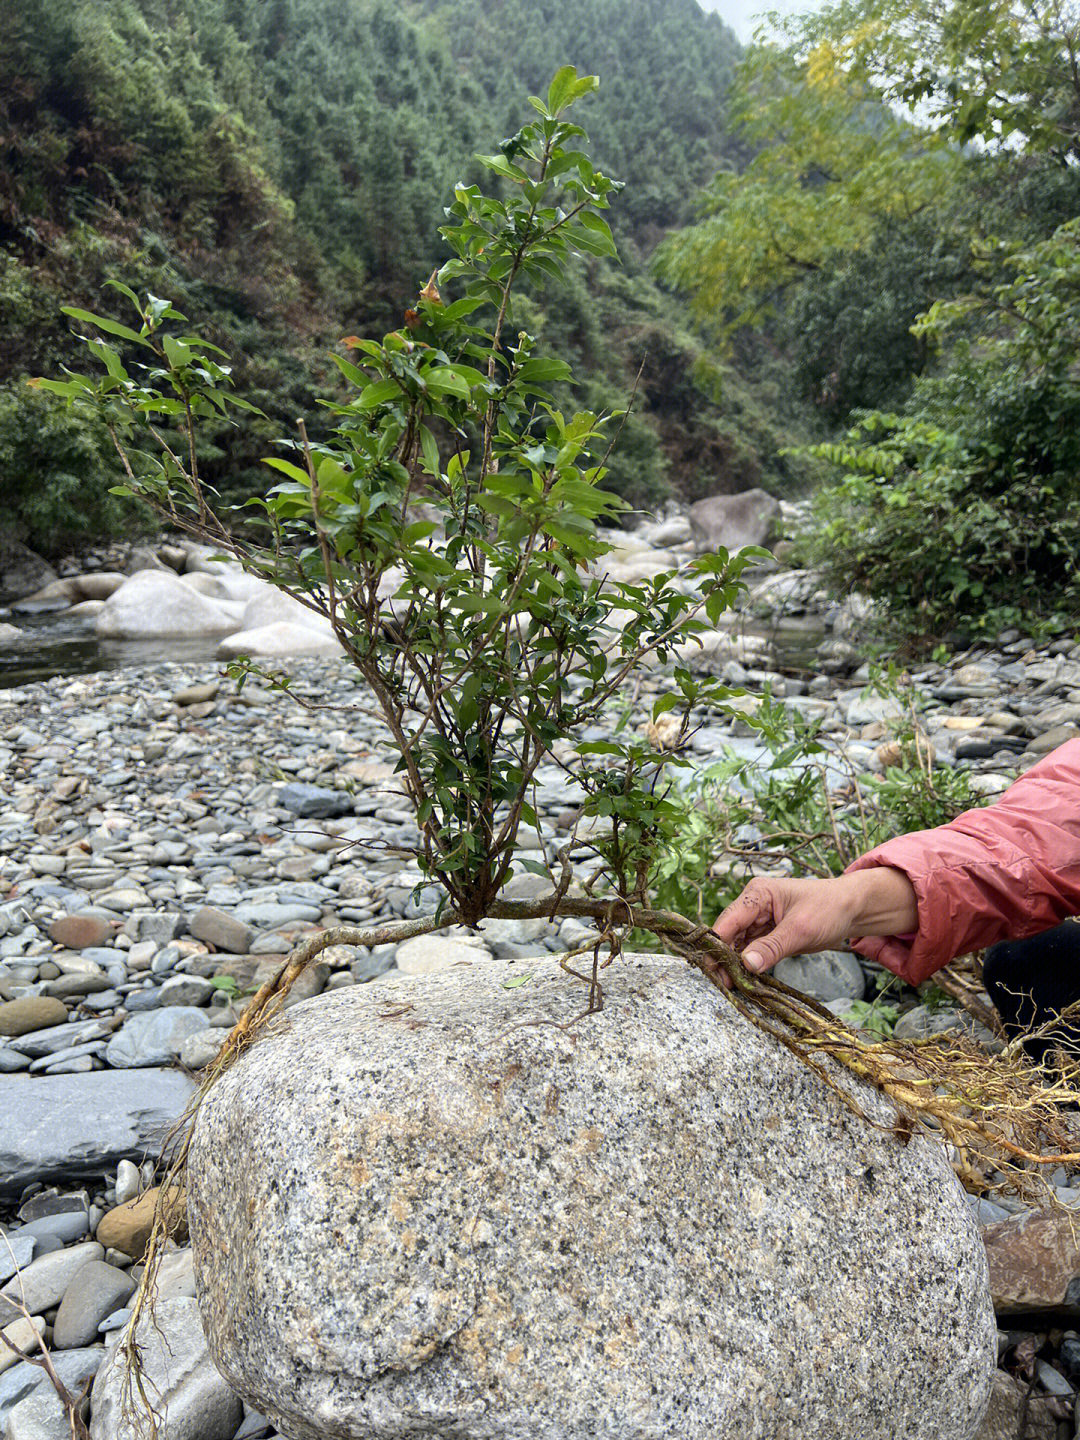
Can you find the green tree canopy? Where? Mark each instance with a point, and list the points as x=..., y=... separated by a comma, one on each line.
x=830, y=165
x=987, y=70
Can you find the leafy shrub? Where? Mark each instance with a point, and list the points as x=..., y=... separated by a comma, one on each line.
x=960, y=513
x=805, y=811
x=447, y=527
x=57, y=471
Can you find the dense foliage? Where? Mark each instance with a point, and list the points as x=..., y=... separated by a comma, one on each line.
x=278, y=168
x=927, y=286
x=803, y=808
x=985, y=455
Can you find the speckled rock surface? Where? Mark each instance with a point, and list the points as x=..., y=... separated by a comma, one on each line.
x=415, y=1213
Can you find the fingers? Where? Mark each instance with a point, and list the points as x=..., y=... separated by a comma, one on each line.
x=766, y=922
x=753, y=910
x=787, y=938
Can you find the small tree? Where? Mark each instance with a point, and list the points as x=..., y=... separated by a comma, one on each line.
x=447, y=525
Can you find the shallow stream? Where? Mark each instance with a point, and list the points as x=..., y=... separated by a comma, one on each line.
x=56, y=644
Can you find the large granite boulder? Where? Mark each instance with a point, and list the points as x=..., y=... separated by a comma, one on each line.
x=731, y=521
x=152, y=604
x=420, y=1208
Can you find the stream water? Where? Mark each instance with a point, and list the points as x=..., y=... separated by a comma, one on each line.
x=55, y=644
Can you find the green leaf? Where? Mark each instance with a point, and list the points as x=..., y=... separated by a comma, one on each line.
x=378, y=393
x=111, y=327
x=599, y=231
x=178, y=354
x=502, y=166
x=566, y=87
x=418, y=530
x=517, y=981
x=430, y=450
x=715, y=605
x=584, y=237
x=69, y=389
x=446, y=381
x=109, y=358
x=288, y=468
x=534, y=867
x=126, y=290
x=350, y=371
x=468, y=707
x=542, y=368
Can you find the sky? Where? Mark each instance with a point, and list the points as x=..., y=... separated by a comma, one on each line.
x=742, y=15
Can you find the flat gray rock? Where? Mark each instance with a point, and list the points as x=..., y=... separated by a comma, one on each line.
x=55, y=1126
x=16, y=1252
x=194, y=1401
x=72, y=1368
x=42, y=1284
x=416, y=1214
x=40, y=1416
x=154, y=1037
x=315, y=801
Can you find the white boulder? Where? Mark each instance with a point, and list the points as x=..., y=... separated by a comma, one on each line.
x=154, y=604
x=270, y=606
x=279, y=641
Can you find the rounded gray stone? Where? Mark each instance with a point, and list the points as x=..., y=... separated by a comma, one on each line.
x=185, y=990
x=826, y=975
x=222, y=930
x=200, y=1049
x=154, y=1037
x=96, y=1290
x=415, y=1211
x=67, y=1226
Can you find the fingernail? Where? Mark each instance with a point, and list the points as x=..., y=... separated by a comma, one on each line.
x=753, y=961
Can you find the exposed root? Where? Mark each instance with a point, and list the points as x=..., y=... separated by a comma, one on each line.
x=1001, y=1117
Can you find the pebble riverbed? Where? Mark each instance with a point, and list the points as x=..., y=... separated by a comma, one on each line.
x=165, y=840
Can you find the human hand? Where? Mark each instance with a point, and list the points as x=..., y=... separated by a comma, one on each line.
x=775, y=918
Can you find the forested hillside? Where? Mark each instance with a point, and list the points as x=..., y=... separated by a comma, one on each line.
x=278, y=169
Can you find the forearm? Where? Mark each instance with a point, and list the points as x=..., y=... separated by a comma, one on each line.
x=1006, y=871
x=877, y=901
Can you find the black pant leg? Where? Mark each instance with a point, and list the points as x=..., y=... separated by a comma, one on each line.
x=1031, y=981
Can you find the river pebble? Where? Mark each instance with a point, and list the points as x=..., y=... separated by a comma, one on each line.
x=164, y=841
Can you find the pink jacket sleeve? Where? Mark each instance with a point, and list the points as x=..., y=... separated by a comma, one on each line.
x=1004, y=872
